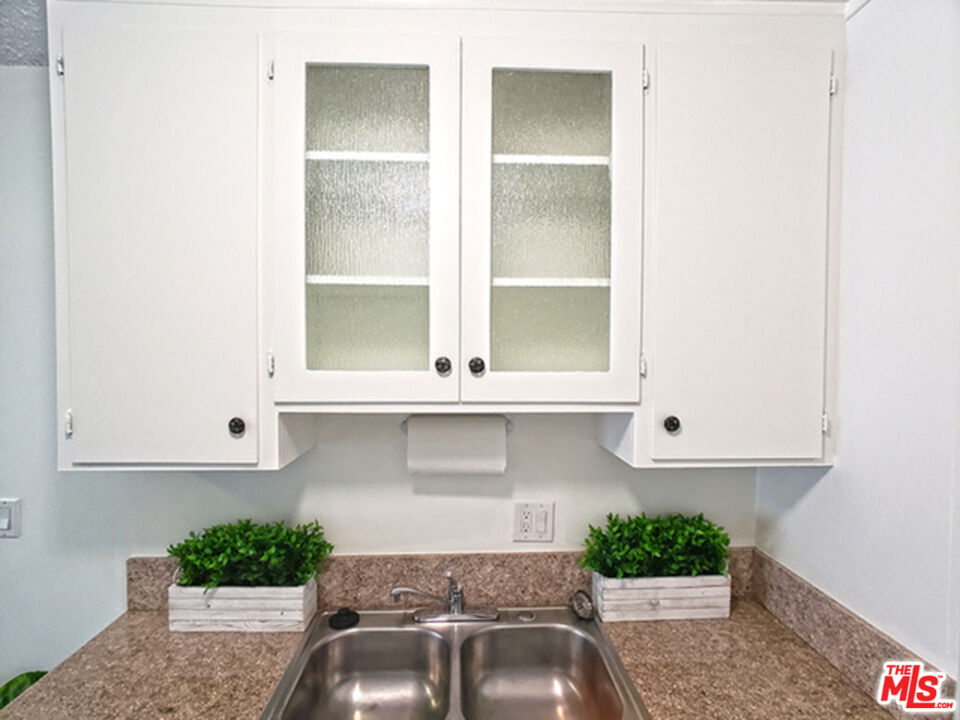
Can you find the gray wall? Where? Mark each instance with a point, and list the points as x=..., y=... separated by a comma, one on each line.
x=880, y=531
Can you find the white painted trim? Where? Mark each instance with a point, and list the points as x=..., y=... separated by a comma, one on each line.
x=294, y=50
x=151, y=400
x=621, y=381
x=349, y=408
x=362, y=156
x=652, y=7
x=383, y=280
x=501, y=159
x=853, y=7
x=545, y=282
x=670, y=389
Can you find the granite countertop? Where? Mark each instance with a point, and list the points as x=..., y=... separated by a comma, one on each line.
x=750, y=667
x=137, y=668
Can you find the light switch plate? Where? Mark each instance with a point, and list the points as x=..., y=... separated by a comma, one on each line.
x=533, y=522
x=9, y=517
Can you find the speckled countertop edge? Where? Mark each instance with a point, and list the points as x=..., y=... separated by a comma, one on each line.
x=747, y=667
x=750, y=666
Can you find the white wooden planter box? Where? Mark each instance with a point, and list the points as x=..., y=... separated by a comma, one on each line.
x=661, y=598
x=242, y=609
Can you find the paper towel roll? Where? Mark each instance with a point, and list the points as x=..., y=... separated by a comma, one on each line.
x=457, y=444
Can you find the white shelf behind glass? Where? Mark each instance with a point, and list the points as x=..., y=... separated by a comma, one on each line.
x=500, y=159
x=384, y=280
x=546, y=282
x=350, y=155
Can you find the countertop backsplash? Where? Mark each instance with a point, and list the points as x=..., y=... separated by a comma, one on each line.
x=363, y=582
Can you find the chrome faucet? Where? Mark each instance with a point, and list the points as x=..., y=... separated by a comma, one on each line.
x=446, y=609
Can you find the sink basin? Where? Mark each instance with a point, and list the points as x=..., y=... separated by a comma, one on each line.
x=522, y=673
x=531, y=664
x=382, y=675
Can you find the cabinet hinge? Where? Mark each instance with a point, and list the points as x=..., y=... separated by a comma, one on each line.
x=646, y=79
x=834, y=85
x=824, y=424
x=270, y=71
x=643, y=366
x=68, y=424
x=60, y=65
x=271, y=363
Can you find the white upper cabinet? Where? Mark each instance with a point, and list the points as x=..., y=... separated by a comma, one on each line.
x=366, y=169
x=371, y=203
x=552, y=179
x=739, y=249
x=155, y=133
x=265, y=213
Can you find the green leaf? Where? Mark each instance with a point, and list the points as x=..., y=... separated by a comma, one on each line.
x=248, y=554
x=668, y=545
x=17, y=685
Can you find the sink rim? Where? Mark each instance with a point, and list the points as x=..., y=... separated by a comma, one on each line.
x=318, y=634
x=529, y=625
x=471, y=693
x=428, y=653
x=454, y=635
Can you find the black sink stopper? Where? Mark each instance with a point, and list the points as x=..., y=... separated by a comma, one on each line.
x=344, y=618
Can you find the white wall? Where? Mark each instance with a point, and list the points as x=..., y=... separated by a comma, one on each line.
x=63, y=580
x=876, y=532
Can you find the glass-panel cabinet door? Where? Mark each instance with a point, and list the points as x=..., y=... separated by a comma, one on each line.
x=366, y=200
x=552, y=198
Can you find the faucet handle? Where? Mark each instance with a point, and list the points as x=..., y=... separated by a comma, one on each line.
x=454, y=585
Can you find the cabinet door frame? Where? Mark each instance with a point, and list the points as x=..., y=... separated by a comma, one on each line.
x=745, y=387
x=621, y=382
x=293, y=381
x=156, y=322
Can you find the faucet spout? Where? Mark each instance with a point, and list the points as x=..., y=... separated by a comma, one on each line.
x=449, y=608
x=399, y=592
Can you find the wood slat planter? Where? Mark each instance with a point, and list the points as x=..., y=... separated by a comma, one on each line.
x=242, y=609
x=661, y=598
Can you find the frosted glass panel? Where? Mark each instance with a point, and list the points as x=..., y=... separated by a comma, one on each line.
x=544, y=329
x=367, y=108
x=551, y=221
x=551, y=113
x=367, y=218
x=352, y=327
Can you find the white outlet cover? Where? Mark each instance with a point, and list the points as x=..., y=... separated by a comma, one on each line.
x=533, y=522
x=9, y=517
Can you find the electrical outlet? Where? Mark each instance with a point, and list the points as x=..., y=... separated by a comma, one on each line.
x=533, y=522
x=9, y=517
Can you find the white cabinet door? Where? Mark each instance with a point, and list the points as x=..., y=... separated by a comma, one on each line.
x=552, y=187
x=161, y=238
x=366, y=148
x=739, y=245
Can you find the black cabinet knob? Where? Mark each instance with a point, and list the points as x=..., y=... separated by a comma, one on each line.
x=443, y=365
x=237, y=426
x=477, y=366
x=671, y=423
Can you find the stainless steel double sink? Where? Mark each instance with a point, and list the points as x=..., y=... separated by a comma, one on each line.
x=531, y=664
